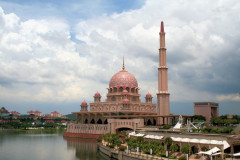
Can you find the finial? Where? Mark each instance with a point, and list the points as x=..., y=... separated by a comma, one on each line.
x=162, y=27
x=123, y=68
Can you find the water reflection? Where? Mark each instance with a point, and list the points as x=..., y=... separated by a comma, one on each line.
x=29, y=145
x=86, y=149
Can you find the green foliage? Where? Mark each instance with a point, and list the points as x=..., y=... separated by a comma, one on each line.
x=172, y=157
x=185, y=148
x=166, y=127
x=168, y=141
x=122, y=148
x=99, y=140
x=146, y=148
x=173, y=148
x=183, y=158
x=154, y=145
x=140, y=139
x=161, y=149
x=209, y=129
x=199, y=118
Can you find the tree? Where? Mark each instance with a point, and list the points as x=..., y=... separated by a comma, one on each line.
x=154, y=146
x=140, y=139
x=168, y=141
x=173, y=148
x=199, y=118
x=185, y=149
x=161, y=149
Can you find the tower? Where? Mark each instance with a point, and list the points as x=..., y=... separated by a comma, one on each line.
x=162, y=95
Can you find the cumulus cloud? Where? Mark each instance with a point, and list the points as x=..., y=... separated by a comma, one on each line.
x=229, y=97
x=41, y=62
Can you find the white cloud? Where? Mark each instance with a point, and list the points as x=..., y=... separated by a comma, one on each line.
x=38, y=59
x=229, y=97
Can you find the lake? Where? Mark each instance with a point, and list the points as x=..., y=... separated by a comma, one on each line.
x=38, y=145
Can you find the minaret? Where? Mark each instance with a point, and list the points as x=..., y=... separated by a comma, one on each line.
x=162, y=95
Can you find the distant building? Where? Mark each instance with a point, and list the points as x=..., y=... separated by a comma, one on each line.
x=3, y=111
x=55, y=114
x=35, y=113
x=15, y=113
x=206, y=109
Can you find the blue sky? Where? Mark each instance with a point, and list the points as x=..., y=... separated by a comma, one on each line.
x=55, y=54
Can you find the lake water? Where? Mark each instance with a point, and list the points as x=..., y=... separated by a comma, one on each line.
x=35, y=145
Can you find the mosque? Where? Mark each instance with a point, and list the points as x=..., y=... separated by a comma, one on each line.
x=123, y=108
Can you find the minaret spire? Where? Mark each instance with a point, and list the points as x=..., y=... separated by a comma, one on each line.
x=163, y=94
x=123, y=68
x=162, y=27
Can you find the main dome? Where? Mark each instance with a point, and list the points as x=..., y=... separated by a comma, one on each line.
x=123, y=79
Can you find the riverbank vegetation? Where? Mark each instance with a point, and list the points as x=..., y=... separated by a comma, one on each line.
x=150, y=147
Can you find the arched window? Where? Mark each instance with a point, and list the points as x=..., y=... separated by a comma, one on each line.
x=132, y=90
x=127, y=89
x=110, y=90
x=120, y=89
x=99, y=121
x=86, y=121
x=92, y=121
x=115, y=89
x=106, y=122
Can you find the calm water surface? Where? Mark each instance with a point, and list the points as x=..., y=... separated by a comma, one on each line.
x=35, y=145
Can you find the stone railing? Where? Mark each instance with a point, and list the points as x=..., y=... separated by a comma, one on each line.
x=87, y=128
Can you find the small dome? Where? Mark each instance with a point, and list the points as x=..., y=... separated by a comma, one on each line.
x=97, y=95
x=148, y=95
x=124, y=91
x=84, y=103
x=123, y=79
x=126, y=101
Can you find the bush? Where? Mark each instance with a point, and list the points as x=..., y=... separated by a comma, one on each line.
x=99, y=140
x=122, y=148
x=172, y=157
x=183, y=158
x=111, y=146
x=166, y=126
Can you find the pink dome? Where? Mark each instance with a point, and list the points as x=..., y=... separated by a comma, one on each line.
x=124, y=91
x=126, y=101
x=97, y=95
x=84, y=103
x=148, y=95
x=123, y=78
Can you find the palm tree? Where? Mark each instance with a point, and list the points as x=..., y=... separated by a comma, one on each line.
x=168, y=141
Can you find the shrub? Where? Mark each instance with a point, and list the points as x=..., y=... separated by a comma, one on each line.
x=111, y=146
x=183, y=158
x=166, y=126
x=99, y=140
x=122, y=148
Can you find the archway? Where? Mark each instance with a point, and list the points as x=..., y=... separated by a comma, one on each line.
x=194, y=149
x=121, y=89
x=106, y=122
x=154, y=122
x=92, y=121
x=124, y=129
x=86, y=121
x=149, y=122
x=99, y=121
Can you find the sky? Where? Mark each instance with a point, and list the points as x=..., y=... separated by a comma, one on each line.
x=55, y=54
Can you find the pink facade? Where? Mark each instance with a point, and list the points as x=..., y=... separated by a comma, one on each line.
x=206, y=109
x=55, y=114
x=35, y=113
x=15, y=113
